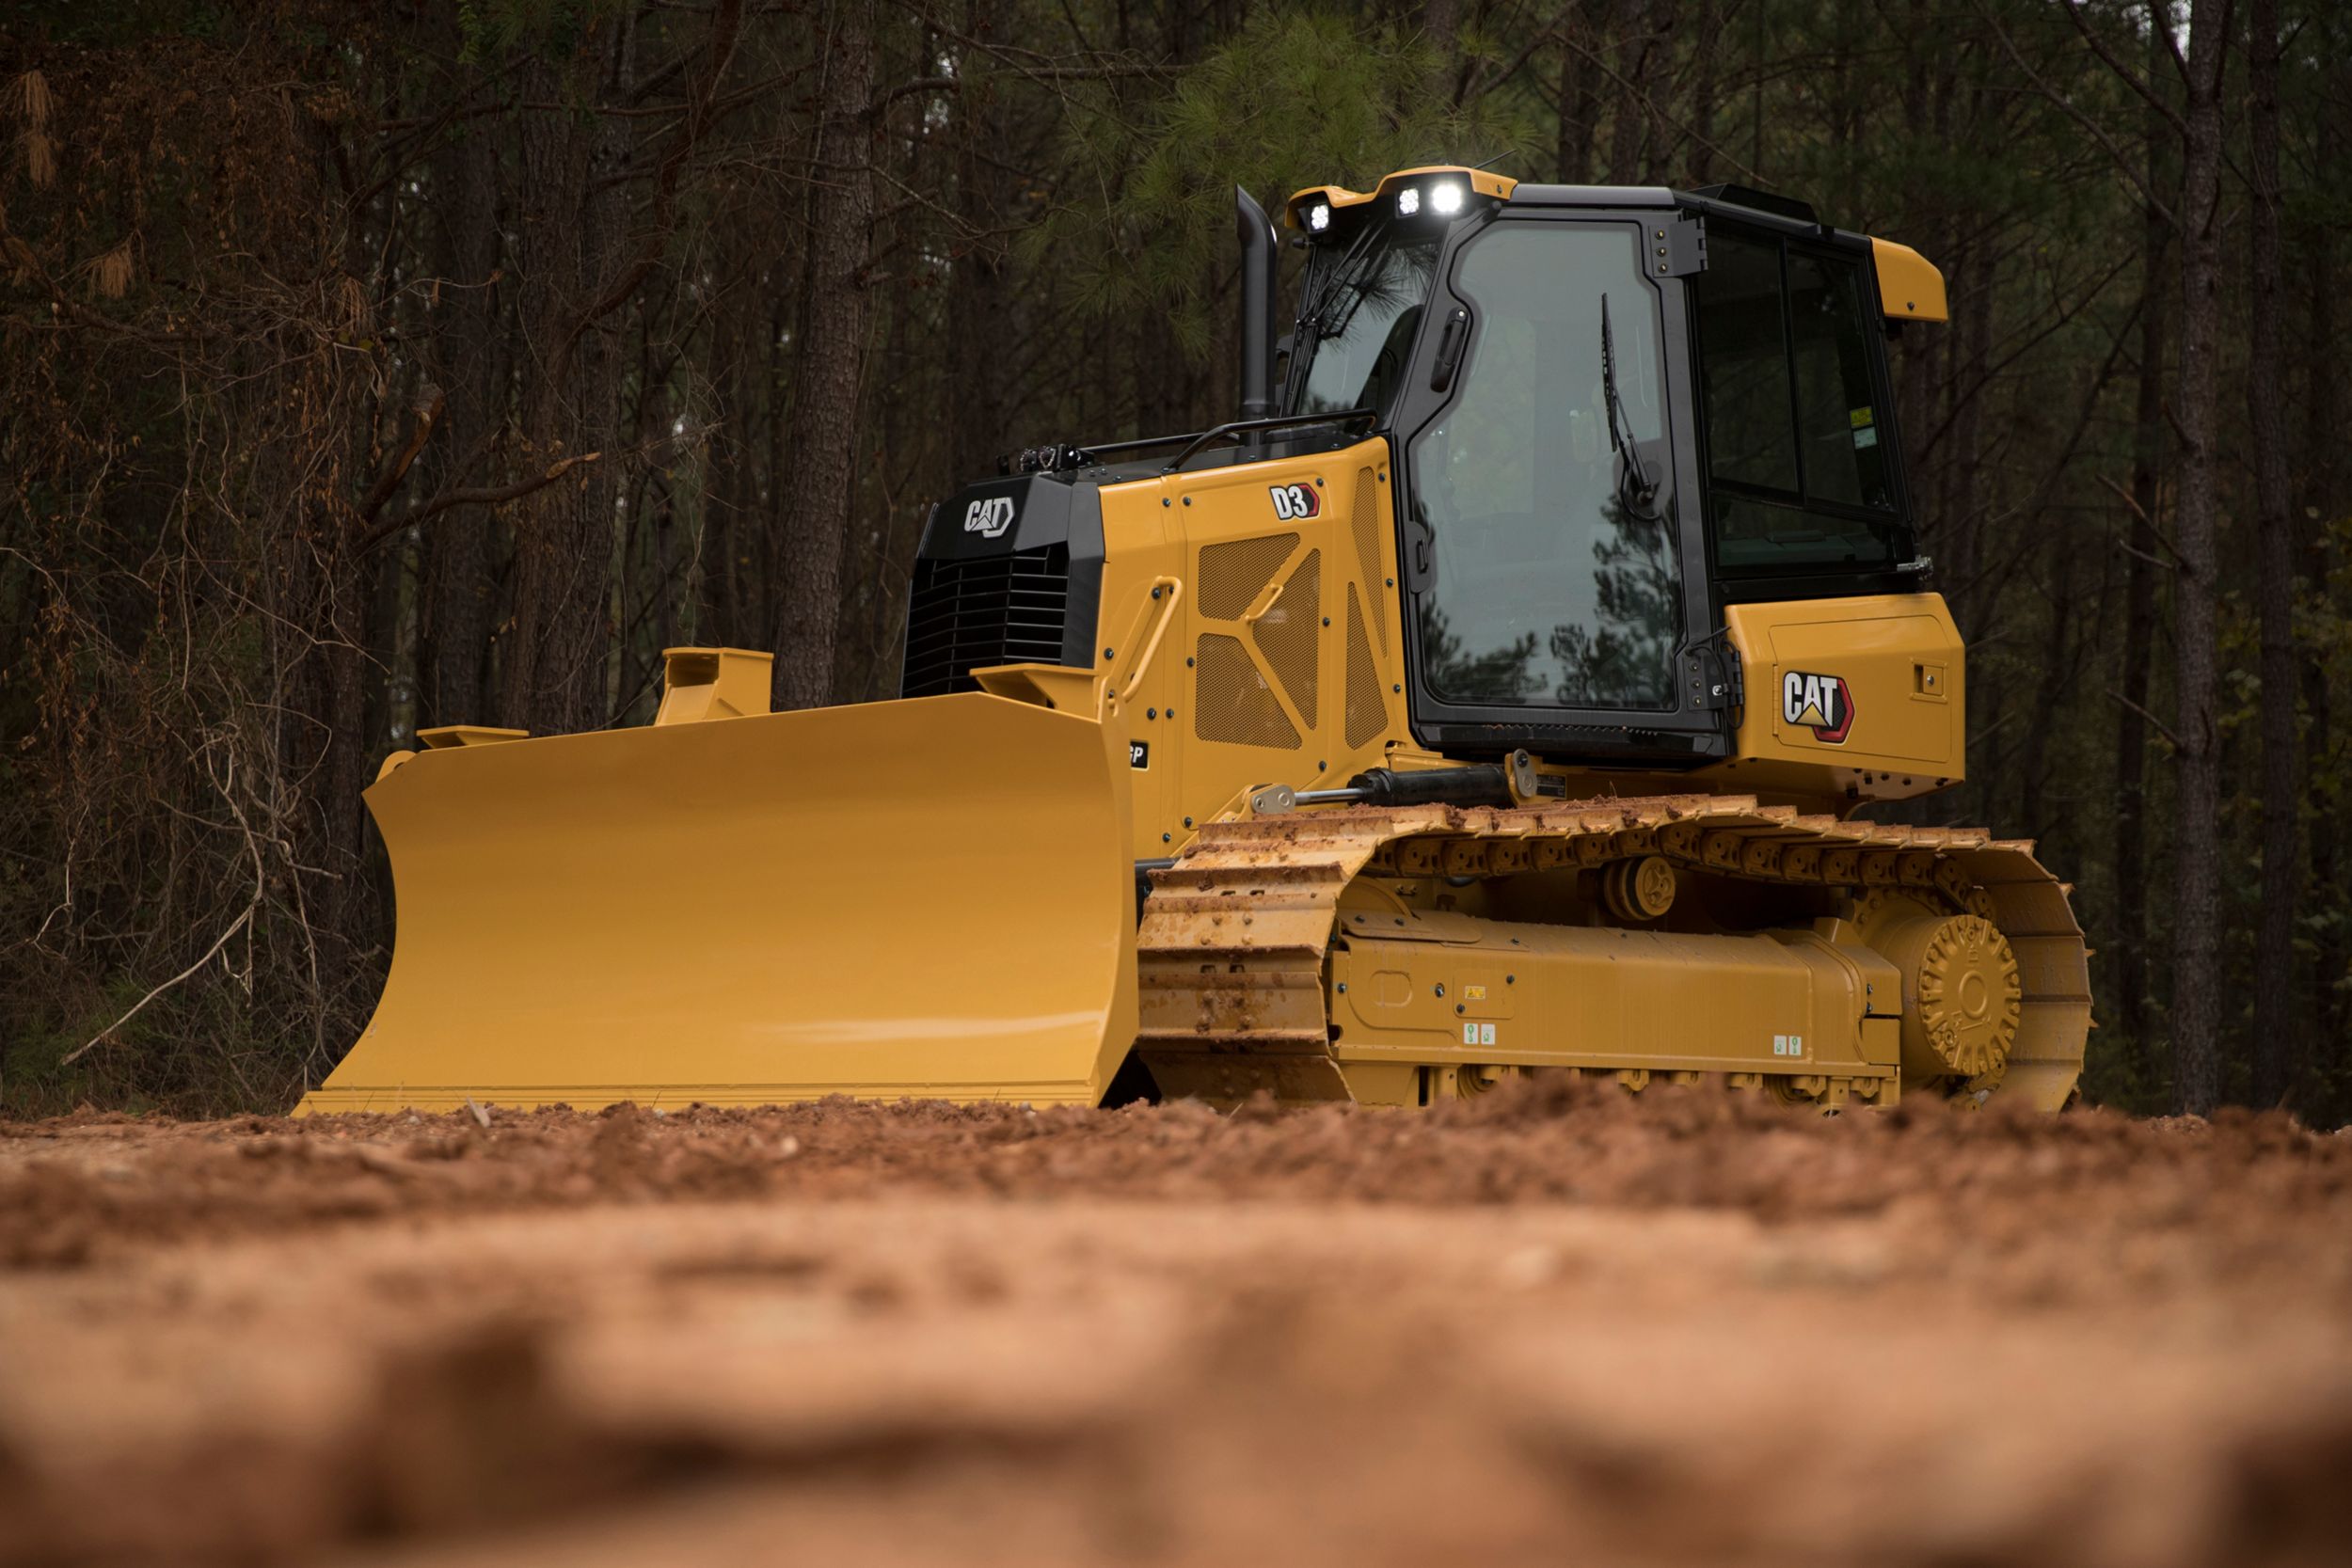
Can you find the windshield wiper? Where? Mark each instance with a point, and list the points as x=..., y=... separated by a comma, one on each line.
x=1636, y=490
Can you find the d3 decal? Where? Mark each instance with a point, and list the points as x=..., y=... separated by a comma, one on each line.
x=1293, y=503
x=1822, y=704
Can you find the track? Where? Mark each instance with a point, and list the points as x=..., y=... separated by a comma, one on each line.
x=1237, y=937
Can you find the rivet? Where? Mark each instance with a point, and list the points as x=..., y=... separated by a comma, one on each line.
x=1326, y=619
x=1187, y=822
x=1441, y=988
x=1321, y=765
x=1343, y=988
x=1457, y=1006
x=1384, y=476
x=1510, y=979
x=1106, y=652
x=1151, y=713
x=1165, y=501
x=1662, y=267
x=1187, y=664
x=1187, y=500
x=1155, y=593
x=1167, y=838
x=1396, y=688
x=1661, y=233
x=1391, y=582
x=1171, y=712
x=1318, y=482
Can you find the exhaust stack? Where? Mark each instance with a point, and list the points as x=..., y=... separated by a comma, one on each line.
x=1258, y=262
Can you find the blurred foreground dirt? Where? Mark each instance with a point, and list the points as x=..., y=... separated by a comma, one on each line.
x=1554, y=1325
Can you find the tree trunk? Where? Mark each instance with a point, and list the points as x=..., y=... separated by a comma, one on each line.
x=2278, y=1020
x=2197, y=803
x=470, y=363
x=2143, y=533
x=573, y=212
x=818, y=494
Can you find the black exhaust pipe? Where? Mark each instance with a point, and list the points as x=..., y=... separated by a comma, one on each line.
x=1258, y=279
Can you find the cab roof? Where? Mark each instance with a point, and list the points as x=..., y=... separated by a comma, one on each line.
x=1911, y=288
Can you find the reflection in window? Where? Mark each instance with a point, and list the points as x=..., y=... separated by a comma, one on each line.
x=1548, y=591
x=1370, y=309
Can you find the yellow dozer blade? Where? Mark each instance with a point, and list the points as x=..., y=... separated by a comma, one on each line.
x=931, y=898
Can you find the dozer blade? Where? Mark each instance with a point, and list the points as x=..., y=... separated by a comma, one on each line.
x=921, y=898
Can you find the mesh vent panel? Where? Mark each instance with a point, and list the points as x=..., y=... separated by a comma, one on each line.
x=1232, y=701
x=1286, y=635
x=1367, y=716
x=1232, y=575
x=1366, y=524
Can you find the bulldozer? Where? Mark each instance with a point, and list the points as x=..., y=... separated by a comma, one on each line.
x=1498, y=694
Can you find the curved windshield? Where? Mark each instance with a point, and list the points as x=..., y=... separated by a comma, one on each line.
x=1558, y=583
x=1361, y=306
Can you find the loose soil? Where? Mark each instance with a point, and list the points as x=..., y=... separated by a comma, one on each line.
x=1558, y=1323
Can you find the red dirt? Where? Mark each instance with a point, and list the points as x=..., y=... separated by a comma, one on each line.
x=1559, y=1321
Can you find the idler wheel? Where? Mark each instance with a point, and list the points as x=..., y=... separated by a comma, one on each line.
x=1639, y=890
x=1961, y=995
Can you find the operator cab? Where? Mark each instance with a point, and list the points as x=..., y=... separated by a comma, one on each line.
x=1614, y=413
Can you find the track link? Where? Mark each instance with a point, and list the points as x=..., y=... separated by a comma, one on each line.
x=1236, y=934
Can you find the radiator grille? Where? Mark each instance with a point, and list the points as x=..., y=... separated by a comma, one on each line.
x=966, y=615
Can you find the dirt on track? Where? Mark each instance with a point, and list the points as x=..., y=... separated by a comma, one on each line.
x=1556, y=1323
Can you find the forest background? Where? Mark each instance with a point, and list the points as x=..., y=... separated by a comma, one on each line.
x=367, y=365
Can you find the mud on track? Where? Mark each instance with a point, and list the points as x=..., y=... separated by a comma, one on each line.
x=1553, y=1325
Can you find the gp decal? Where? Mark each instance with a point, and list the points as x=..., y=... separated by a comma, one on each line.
x=1822, y=704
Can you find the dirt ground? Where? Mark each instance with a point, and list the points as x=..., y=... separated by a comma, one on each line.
x=1556, y=1324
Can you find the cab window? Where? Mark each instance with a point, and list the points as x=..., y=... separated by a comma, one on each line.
x=1799, y=476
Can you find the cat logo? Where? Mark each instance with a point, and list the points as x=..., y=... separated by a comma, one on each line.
x=989, y=517
x=1296, y=503
x=1822, y=704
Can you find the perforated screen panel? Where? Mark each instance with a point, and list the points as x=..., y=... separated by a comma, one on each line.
x=1232, y=701
x=1287, y=637
x=1366, y=713
x=1365, y=524
x=1233, y=574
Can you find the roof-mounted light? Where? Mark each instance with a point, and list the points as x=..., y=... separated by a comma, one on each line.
x=1445, y=199
x=1319, y=217
x=1408, y=201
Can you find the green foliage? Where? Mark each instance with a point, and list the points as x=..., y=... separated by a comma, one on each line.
x=1293, y=98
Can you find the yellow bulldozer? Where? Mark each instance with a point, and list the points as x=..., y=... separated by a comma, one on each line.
x=1495, y=695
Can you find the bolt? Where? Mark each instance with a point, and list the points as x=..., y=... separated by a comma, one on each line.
x=1391, y=582
x=1187, y=500
x=1457, y=1006
x=1155, y=593
x=1343, y=988
x=1396, y=688
x=1151, y=713
x=1187, y=822
x=1326, y=619
x=1510, y=979
x=1187, y=664
x=1167, y=838
x=1165, y=501
x=1441, y=988
x=1106, y=652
